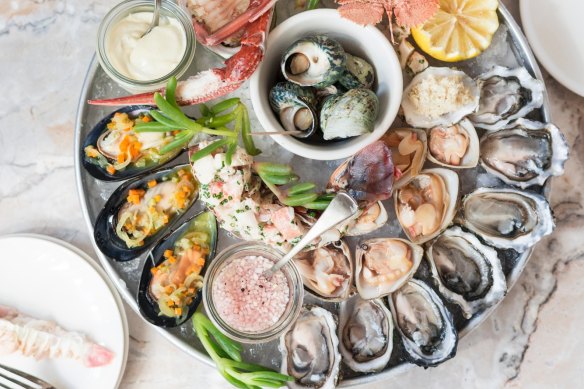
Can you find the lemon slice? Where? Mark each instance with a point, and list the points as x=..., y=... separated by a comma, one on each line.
x=461, y=29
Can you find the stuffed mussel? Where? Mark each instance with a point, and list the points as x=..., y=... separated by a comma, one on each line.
x=114, y=151
x=141, y=210
x=169, y=291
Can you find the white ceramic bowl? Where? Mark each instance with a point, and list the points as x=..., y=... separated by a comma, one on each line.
x=366, y=42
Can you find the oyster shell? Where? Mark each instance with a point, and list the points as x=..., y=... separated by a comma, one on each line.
x=427, y=204
x=382, y=265
x=365, y=334
x=507, y=218
x=439, y=97
x=424, y=324
x=358, y=73
x=455, y=146
x=327, y=270
x=506, y=95
x=525, y=153
x=352, y=113
x=468, y=273
x=316, y=60
x=408, y=150
x=295, y=108
x=310, y=350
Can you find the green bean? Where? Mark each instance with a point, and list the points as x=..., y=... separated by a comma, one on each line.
x=161, y=118
x=276, y=169
x=224, y=105
x=277, y=180
x=209, y=149
x=151, y=127
x=301, y=188
x=300, y=199
x=175, y=144
x=319, y=205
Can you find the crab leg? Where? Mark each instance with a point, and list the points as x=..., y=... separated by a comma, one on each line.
x=213, y=83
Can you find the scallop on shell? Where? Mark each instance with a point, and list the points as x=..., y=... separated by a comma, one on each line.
x=365, y=334
x=408, y=150
x=456, y=146
x=427, y=204
x=327, y=270
x=439, y=97
x=424, y=324
x=506, y=95
x=507, y=218
x=382, y=265
x=468, y=272
x=310, y=350
x=525, y=153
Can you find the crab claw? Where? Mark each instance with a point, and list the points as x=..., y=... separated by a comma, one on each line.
x=367, y=176
x=213, y=83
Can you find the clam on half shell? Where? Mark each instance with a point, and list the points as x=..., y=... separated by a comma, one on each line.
x=468, y=272
x=507, y=218
x=365, y=334
x=426, y=205
x=310, y=350
x=408, y=150
x=455, y=147
x=382, y=265
x=525, y=153
x=424, y=324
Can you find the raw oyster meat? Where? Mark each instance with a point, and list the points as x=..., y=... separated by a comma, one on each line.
x=382, y=265
x=426, y=205
x=507, y=218
x=425, y=325
x=327, y=271
x=468, y=273
x=366, y=334
x=310, y=350
x=525, y=153
x=439, y=97
x=455, y=146
x=506, y=95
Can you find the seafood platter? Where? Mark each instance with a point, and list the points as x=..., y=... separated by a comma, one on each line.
x=191, y=194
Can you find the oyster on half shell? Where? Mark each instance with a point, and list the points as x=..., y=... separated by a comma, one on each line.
x=525, y=153
x=365, y=334
x=424, y=324
x=427, y=204
x=382, y=265
x=507, y=218
x=327, y=270
x=468, y=272
x=506, y=95
x=310, y=350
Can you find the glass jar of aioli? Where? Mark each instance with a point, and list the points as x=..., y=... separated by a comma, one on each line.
x=227, y=268
x=117, y=45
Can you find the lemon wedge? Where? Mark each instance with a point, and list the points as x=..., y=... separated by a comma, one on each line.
x=461, y=29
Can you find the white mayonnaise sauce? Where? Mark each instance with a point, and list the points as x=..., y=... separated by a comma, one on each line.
x=145, y=58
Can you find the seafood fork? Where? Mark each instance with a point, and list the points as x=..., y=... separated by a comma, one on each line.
x=15, y=379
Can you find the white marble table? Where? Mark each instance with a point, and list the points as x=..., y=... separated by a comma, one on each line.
x=534, y=339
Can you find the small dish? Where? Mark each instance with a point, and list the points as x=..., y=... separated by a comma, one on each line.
x=125, y=8
x=296, y=292
x=367, y=42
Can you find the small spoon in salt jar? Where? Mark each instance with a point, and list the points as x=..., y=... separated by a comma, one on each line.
x=155, y=17
x=341, y=208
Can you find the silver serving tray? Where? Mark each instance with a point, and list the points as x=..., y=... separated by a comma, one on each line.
x=509, y=48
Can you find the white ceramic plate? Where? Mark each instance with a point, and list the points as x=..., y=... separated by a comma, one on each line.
x=50, y=279
x=555, y=29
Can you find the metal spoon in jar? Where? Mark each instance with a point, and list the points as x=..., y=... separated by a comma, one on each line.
x=341, y=208
x=155, y=17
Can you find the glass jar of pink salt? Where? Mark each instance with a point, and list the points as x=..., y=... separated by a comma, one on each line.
x=242, y=302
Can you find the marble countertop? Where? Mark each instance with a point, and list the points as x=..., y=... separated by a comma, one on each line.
x=532, y=340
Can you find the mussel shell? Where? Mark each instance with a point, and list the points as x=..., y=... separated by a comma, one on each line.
x=508, y=218
x=146, y=303
x=131, y=170
x=358, y=73
x=441, y=346
x=525, y=153
x=350, y=114
x=329, y=53
x=104, y=231
x=468, y=273
x=288, y=95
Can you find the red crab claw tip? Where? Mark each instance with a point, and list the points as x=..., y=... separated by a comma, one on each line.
x=139, y=99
